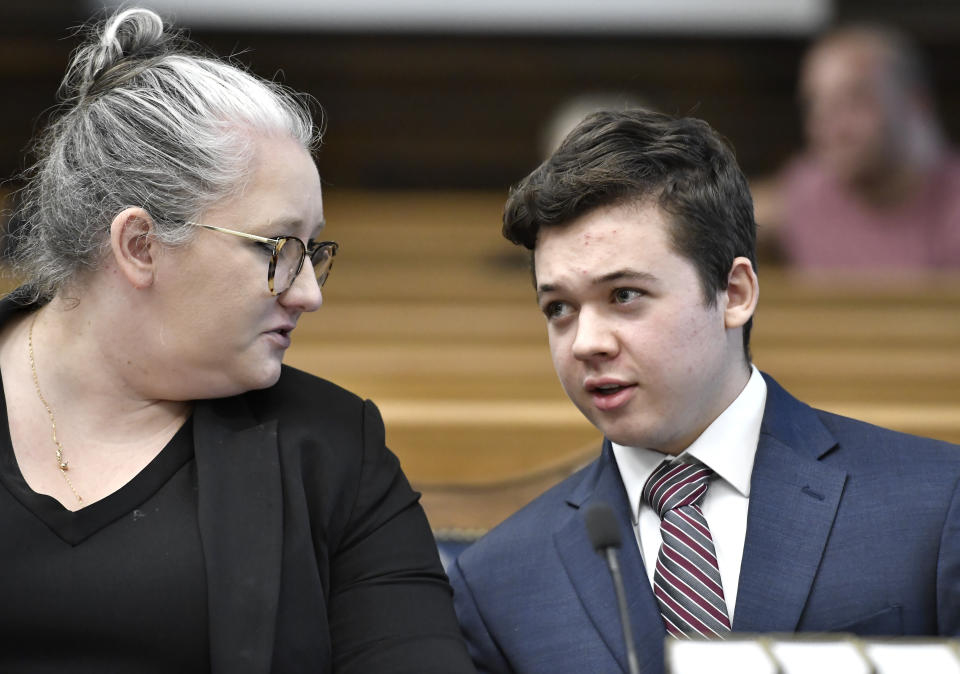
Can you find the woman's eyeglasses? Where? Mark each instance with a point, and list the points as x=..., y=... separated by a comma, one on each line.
x=286, y=259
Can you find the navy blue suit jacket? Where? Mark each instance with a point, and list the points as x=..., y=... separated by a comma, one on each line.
x=851, y=528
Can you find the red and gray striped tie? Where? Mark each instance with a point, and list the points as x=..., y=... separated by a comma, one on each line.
x=686, y=580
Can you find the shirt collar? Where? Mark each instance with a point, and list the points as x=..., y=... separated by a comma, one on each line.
x=738, y=426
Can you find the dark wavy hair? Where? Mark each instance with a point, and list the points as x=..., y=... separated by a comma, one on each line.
x=680, y=164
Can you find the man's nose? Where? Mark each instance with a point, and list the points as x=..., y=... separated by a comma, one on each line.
x=595, y=337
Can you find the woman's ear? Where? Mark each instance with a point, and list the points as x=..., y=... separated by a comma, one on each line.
x=133, y=246
x=743, y=292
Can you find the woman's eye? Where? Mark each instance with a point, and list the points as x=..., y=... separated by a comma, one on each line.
x=267, y=248
x=624, y=295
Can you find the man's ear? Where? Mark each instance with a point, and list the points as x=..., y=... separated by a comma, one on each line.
x=134, y=249
x=742, y=293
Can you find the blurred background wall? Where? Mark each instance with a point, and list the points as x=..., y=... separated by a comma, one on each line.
x=422, y=94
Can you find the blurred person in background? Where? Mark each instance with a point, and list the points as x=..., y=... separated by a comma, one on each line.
x=877, y=185
x=739, y=507
x=172, y=497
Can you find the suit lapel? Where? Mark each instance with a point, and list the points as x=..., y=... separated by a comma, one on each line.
x=590, y=576
x=793, y=502
x=241, y=521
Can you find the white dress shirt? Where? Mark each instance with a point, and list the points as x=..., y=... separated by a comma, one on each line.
x=728, y=446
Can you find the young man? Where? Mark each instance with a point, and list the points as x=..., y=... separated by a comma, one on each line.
x=775, y=516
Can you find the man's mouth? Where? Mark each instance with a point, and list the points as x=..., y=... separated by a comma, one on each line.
x=607, y=389
x=606, y=385
x=610, y=394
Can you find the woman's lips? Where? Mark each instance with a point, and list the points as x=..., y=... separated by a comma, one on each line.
x=280, y=337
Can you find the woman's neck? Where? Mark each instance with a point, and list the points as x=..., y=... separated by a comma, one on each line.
x=90, y=374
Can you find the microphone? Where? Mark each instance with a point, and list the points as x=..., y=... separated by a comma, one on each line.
x=604, y=533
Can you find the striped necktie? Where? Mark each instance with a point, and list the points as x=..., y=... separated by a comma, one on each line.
x=686, y=580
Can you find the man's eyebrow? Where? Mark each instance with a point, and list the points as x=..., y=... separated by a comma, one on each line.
x=545, y=288
x=618, y=275
x=629, y=274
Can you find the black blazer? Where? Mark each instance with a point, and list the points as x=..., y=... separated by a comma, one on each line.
x=318, y=555
x=317, y=550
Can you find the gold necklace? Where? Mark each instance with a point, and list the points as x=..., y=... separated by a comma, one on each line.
x=61, y=464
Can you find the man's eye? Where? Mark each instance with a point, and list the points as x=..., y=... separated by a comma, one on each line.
x=265, y=247
x=555, y=309
x=624, y=295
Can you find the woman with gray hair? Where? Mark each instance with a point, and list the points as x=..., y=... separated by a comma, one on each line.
x=174, y=498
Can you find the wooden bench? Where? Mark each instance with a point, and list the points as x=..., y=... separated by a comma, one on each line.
x=431, y=313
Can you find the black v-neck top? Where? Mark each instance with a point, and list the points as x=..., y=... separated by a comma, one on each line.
x=117, y=586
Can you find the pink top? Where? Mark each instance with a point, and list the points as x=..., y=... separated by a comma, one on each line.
x=827, y=226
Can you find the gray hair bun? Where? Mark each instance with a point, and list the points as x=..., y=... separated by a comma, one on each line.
x=118, y=49
x=149, y=121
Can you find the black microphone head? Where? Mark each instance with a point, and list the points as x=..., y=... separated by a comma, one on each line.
x=602, y=527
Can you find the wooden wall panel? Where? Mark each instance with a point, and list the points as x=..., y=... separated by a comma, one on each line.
x=443, y=111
